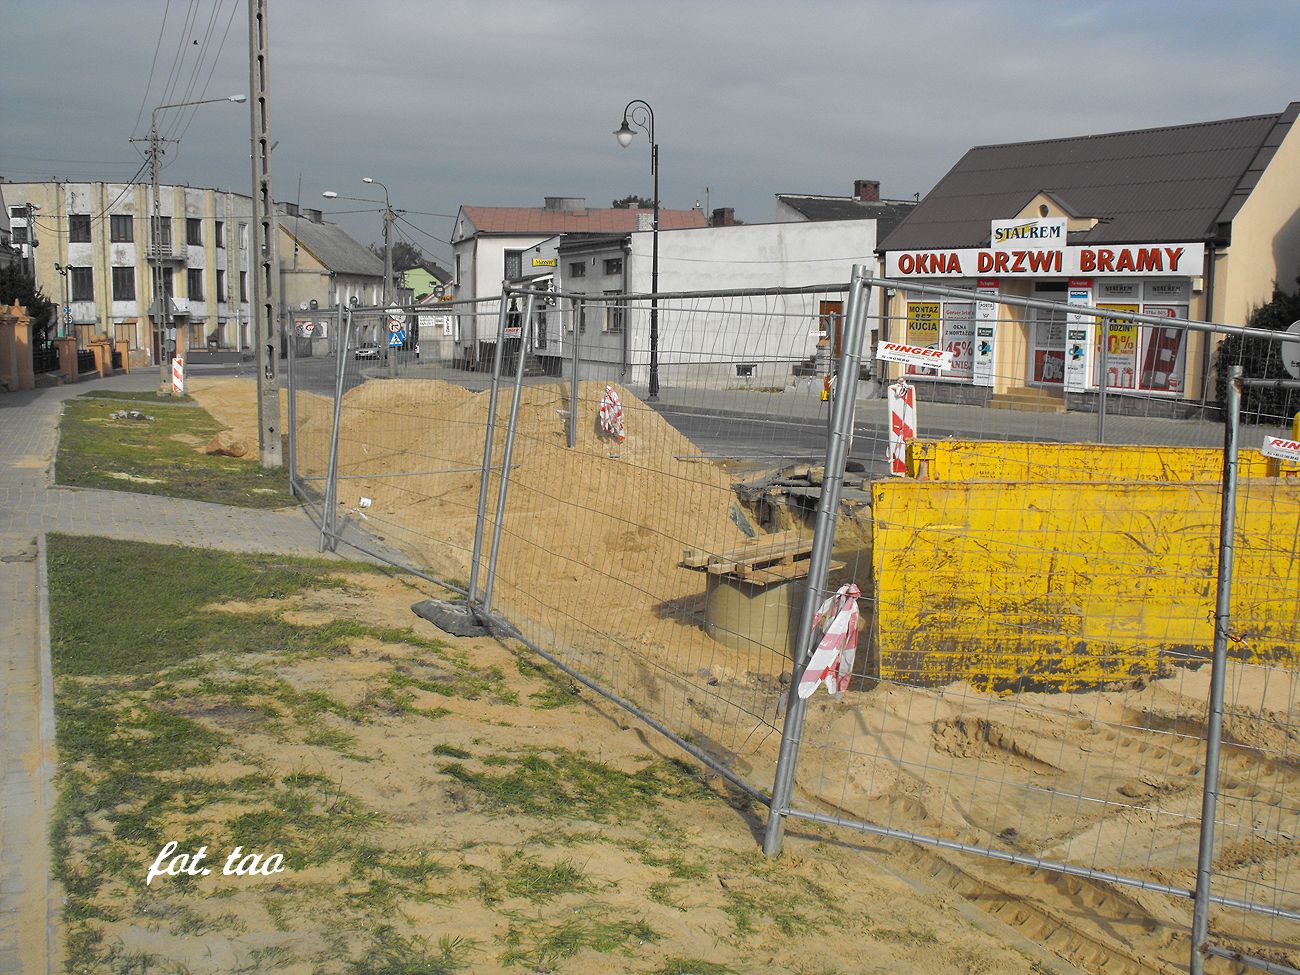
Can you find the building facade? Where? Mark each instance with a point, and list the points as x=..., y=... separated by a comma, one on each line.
x=1193, y=221
x=97, y=257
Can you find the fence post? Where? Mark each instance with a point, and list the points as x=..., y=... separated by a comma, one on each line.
x=819, y=559
x=329, y=507
x=573, y=381
x=503, y=482
x=1101, y=391
x=488, y=433
x=1214, y=724
x=290, y=326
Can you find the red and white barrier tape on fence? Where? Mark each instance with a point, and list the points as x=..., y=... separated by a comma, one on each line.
x=832, y=661
x=611, y=414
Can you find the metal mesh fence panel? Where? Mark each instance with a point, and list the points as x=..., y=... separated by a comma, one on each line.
x=1041, y=611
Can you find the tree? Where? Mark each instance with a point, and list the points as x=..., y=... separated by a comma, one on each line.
x=1261, y=358
x=405, y=255
x=17, y=286
x=633, y=202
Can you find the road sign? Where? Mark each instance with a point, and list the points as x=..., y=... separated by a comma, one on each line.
x=394, y=327
x=396, y=339
x=1291, y=351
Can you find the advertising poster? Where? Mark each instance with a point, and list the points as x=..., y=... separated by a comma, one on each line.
x=922, y=330
x=984, y=353
x=1119, y=342
x=959, y=337
x=1162, y=352
x=1078, y=337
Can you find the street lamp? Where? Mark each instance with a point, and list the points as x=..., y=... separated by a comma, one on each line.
x=162, y=306
x=388, y=253
x=641, y=116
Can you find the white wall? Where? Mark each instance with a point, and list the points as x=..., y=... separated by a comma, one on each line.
x=706, y=339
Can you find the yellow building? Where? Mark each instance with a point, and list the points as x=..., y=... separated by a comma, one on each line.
x=1195, y=221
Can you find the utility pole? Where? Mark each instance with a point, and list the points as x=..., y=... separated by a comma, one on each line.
x=389, y=297
x=266, y=277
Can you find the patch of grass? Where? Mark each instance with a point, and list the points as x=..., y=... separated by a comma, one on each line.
x=521, y=875
x=907, y=936
x=132, y=608
x=691, y=966
x=764, y=894
x=143, y=396
x=558, y=690
x=564, y=784
x=450, y=751
x=593, y=928
x=391, y=954
x=159, y=456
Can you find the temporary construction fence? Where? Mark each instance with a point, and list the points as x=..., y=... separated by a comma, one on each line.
x=1077, y=661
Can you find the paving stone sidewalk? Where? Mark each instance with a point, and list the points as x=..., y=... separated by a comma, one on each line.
x=30, y=506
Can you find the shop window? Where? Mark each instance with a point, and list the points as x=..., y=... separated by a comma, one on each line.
x=948, y=325
x=1047, y=337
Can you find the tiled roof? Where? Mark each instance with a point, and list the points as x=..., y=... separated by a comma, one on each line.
x=538, y=220
x=333, y=247
x=1168, y=184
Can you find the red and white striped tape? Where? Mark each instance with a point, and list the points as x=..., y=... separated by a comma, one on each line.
x=611, y=414
x=832, y=661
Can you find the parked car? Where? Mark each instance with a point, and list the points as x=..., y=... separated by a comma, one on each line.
x=367, y=350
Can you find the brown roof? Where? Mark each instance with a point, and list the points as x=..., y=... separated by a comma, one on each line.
x=538, y=220
x=1178, y=183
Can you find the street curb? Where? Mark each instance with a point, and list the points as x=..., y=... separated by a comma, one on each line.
x=48, y=757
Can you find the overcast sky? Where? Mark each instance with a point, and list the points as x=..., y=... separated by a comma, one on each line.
x=503, y=103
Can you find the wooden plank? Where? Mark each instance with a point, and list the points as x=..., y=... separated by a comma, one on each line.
x=784, y=573
x=695, y=558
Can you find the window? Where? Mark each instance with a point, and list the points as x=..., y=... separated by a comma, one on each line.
x=194, y=283
x=243, y=236
x=1047, y=336
x=162, y=232
x=456, y=276
x=219, y=234
x=221, y=285
x=577, y=269
x=613, y=315
x=193, y=231
x=82, y=283
x=243, y=286
x=124, y=284
x=120, y=228
x=18, y=213
x=79, y=228
x=20, y=234
x=613, y=265
x=169, y=282
x=514, y=265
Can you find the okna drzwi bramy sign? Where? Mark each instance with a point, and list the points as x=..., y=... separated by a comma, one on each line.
x=1036, y=258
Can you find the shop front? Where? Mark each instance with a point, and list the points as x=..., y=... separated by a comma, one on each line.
x=996, y=349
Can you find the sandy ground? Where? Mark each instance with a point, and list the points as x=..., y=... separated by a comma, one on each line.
x=674, y=881
x=1109, y=779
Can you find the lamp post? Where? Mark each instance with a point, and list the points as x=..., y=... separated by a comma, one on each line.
x=389, y=353
x=162, y=305
x=640, y=115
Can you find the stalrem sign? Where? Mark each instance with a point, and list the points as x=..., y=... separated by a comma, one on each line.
x=1039, y=233
x=1032, y=261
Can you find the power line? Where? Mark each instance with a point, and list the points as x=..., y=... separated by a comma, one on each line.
x=234, y=9
x=187, y=116
x=423, y=231
x=149, y=84
x=179, y=58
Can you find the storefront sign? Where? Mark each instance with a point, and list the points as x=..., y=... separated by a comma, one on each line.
x=545, y=261
x=923, y=319
x=1281, y=449
x=958, y=337
x=913, y=356
x=1038, y=233
x=1078, y=336
x=1147, y=260
x=983, y=355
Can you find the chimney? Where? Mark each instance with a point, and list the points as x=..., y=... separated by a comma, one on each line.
x=571, y=204
x=866, y=190
x=723, y=217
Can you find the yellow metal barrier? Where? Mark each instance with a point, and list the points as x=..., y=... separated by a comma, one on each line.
x=1062, y=585
x=963, y=460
